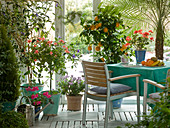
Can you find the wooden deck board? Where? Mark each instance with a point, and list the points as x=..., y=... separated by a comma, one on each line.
x=95, y=117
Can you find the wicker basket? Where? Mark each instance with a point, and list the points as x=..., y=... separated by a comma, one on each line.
x=74, y=103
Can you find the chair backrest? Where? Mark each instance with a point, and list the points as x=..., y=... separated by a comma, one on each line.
x=95, y=73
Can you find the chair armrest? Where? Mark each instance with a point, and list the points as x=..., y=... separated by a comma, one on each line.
x=123, y=77
x=154, y=83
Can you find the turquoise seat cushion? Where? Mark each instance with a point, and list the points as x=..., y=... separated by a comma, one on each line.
x=114, y=88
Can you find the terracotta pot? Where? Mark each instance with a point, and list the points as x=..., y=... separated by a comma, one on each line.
x=74, y=103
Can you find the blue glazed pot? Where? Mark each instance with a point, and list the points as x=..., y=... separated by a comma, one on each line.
x=117, y=103
x=140, y=55
x=37, y=109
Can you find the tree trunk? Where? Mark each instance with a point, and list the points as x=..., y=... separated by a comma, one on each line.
x=159, y=41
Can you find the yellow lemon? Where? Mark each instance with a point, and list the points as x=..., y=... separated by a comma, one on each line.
x=105, y=29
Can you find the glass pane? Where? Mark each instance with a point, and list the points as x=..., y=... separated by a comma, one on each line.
x=72, y=32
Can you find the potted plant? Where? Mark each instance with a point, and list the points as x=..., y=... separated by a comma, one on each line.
x=139, y=40
x=46, y=55
x=38, y=99
x=71, y=87
x=9, y=72
x=106, y=32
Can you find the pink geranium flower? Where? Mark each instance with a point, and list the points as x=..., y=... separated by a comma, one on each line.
x=140, y=31
x=38, y=102
x=29, y=41
x=67, y=51
x=45, y=93
x=36, y=51
x=127, y=44
x=36, y=88
x=152, y=38
x=135, y=32
x=36, y=95
x=34, y=103
x=128, y=38
x=150, y=31
x=51, y=53
x=55, y=43
x=40, y=38
x=48, y=96
x=33, y=96
x=43, y=39
x=49, y=42
x=61, y=41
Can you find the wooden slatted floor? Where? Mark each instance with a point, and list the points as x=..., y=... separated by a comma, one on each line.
x=95, y=117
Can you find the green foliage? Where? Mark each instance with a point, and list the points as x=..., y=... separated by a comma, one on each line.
x=159, y=115
x=12, y=119
x=106, y=31
x=44, y=55
x=26, y=19
x=9, y=77
x=71, y=86
x=152, y=14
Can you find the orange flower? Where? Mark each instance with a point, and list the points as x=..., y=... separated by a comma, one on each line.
x=105, y=29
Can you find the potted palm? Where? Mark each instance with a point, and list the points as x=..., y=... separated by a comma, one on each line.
x=71, y=87
x=9, y=72
x=139, y=41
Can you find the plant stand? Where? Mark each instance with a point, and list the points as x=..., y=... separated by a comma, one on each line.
x=74, y=103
